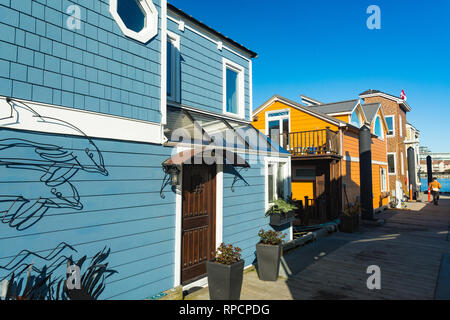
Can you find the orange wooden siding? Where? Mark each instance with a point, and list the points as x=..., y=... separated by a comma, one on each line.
x=302, y=189
x=345, y=118
x=299, y=120
x=350, y=145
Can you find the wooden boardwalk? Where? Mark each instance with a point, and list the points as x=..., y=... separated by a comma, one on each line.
x=408, y=248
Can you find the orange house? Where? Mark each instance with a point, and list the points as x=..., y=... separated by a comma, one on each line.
x=323, y=140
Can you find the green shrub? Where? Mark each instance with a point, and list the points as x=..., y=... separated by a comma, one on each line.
x=227, y=254
x=271, y=237
x=280, y=206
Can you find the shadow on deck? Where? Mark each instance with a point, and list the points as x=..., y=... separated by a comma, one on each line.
x=408, y=248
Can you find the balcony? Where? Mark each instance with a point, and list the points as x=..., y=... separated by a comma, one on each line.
x=312, y=144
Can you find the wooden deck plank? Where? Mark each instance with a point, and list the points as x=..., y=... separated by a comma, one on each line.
x=408, y=248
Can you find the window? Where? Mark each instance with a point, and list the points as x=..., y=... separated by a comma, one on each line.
x=378, y=129
x=390, y=125
x=401, y=164
x=391, y=163
x=173, y=66
x=383, y=180
x=277, y=180
x=277, y=124
x=305, y=174
x=400, y=126
x=132, y=14
x=233, y=89
x=355, y=119
x=138, y=19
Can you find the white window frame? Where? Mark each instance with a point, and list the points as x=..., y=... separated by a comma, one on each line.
x=175, y=67
x=384, y=183
x=393, y=126
x=400, y=125
x=395, y=163
x=402, y=165
x=286, y=177
x=280, y=120
x=228, y=64
x=150, y=29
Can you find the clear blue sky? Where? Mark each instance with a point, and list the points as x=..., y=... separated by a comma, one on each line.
x=323, y=49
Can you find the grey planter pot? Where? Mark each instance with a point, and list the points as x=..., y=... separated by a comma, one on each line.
x=225, y=281
x=268, y=257
x=280, y=219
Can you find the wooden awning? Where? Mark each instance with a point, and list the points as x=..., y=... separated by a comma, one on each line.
x=207, y=156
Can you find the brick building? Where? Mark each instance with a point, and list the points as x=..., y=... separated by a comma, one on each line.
x=395, y=110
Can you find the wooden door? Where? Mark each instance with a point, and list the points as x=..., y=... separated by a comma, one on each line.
x=198, y=220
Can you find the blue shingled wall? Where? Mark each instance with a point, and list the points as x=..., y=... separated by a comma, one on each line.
x=122, y=211
x=244, y=208
x=95, y=68
x=201, y=71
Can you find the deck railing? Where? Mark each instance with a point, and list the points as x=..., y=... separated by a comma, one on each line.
x=313, y=142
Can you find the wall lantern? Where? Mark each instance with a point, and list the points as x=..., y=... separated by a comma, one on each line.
x=174, y=172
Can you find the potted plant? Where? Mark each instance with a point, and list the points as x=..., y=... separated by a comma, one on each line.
x=350, y=218
x=281, y=212
x=268, y=254
x=225, y=273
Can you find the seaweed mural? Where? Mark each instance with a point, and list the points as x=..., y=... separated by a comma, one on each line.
x=55, y=166
x=44, y=283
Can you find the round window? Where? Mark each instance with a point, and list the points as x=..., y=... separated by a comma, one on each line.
x=132, y=14
x=138, y=19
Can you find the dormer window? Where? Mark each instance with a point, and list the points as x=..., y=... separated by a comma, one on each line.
x=355, y=119
x=378, y=129
x=138, y=19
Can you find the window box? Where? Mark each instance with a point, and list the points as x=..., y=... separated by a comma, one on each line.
x=279, y=219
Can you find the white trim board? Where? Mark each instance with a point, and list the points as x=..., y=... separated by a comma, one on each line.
x=46, y=118
x=163, y=61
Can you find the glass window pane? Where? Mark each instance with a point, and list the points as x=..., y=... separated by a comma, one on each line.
x=270, y=182
x=378, y=127
x=391, y=163
x=274, y=131
x=390, y=125
x=231, y=91
x=304, y=174
x=280, y=181
x=131, y=13
x=169, y=68
x=355, y=120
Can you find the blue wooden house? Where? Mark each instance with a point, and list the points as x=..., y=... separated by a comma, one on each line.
x=126, y=138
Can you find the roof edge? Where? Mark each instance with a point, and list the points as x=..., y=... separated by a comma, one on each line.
x=180, y=12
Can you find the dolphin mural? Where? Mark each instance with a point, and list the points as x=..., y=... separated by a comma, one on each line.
x=55, y=166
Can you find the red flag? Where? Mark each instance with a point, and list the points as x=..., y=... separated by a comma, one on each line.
x=403, y=95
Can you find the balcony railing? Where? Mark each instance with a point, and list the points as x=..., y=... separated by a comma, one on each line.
x=310, y=143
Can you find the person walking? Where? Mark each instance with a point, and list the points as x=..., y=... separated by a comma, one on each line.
x=435, y=187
